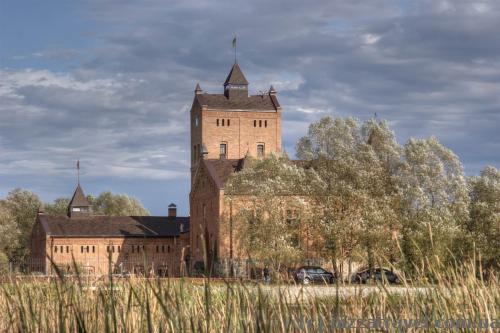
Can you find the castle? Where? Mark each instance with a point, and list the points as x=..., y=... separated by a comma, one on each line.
x=225, y=129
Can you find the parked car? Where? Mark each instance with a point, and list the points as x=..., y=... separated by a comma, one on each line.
x=378, y=274
x=312, y=274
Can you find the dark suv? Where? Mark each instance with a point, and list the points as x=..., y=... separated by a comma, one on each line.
x=311, y=274
x=377, y=274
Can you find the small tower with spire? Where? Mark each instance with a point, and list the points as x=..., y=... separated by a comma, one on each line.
x=236, y=85
x=79, y=206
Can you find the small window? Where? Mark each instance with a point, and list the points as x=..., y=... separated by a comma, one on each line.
x=113, y=248
x=265, y=123
x=93, y=248
x=133, y=249
x=222, y=122
x=81, y=249
x=138, y=248
x=157, y=248
x=119, y=248
x=67, y=249
x=260, y=123
x=168, y=249
x=55, y=249
x=255, y=123
x=217, y=122
x=223, y=150
x=228, y=123
x=163, y=248
x=260, y=150
x=76, y=209
x=62, y=249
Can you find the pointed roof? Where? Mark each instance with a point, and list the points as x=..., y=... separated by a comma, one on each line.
x=236, y=76
x=79, y=199
x=198, y=88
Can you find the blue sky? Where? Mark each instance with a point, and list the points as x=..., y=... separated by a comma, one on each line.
x=110, y=82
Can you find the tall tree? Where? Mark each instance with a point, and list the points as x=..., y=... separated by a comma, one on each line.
x=22, y=206
x=434, y=200
x=267, y=222
x=483, y=226
x=356, y=197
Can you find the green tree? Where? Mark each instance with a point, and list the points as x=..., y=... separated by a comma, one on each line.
x=357, y=193
x=22, y=207
x=434, y=200
x=483, y=226
x=108, y=203
x=270, y=187
x=58, y=207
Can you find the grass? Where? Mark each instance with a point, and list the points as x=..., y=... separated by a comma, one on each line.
x=175, y=305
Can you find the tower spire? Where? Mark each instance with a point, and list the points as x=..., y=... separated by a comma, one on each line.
x=234, y=47
x=78, y=171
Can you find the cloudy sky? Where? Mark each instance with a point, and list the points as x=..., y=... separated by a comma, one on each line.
x=110, y=82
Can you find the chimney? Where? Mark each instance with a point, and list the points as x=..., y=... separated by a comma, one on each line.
x=172, y=210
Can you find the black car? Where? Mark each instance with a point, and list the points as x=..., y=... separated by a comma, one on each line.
x=377, y=274
x=311, y=274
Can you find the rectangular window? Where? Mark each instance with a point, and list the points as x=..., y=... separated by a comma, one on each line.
x=260, y=123
x=260, y=150
x=163, y=248
x=67, y=249
x=81, y=249
x=62, y=249
x=168, y=249
x=228, y=123
x=222, y=122
x=55, y=249
x=255, y=123
x=223, y=150
x=93, y=248
x=157, y=248
x=119, y=248
x=265, y=123
x=217, y=122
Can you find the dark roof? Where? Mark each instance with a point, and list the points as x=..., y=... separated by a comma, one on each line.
x=79, y=199
x=264, y=102
x=114, y=226
x=236, y=76
x=221, y=169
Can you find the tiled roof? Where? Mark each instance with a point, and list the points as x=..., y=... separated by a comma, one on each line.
x=264, y=102
x=114, y=226
x=236, y=76
x=221, y=169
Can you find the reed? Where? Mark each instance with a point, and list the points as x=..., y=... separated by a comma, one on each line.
x=78, y=304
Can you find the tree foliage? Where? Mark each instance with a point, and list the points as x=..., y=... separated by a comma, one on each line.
x=373, y=197
x=483, y=226
x=108, y=203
